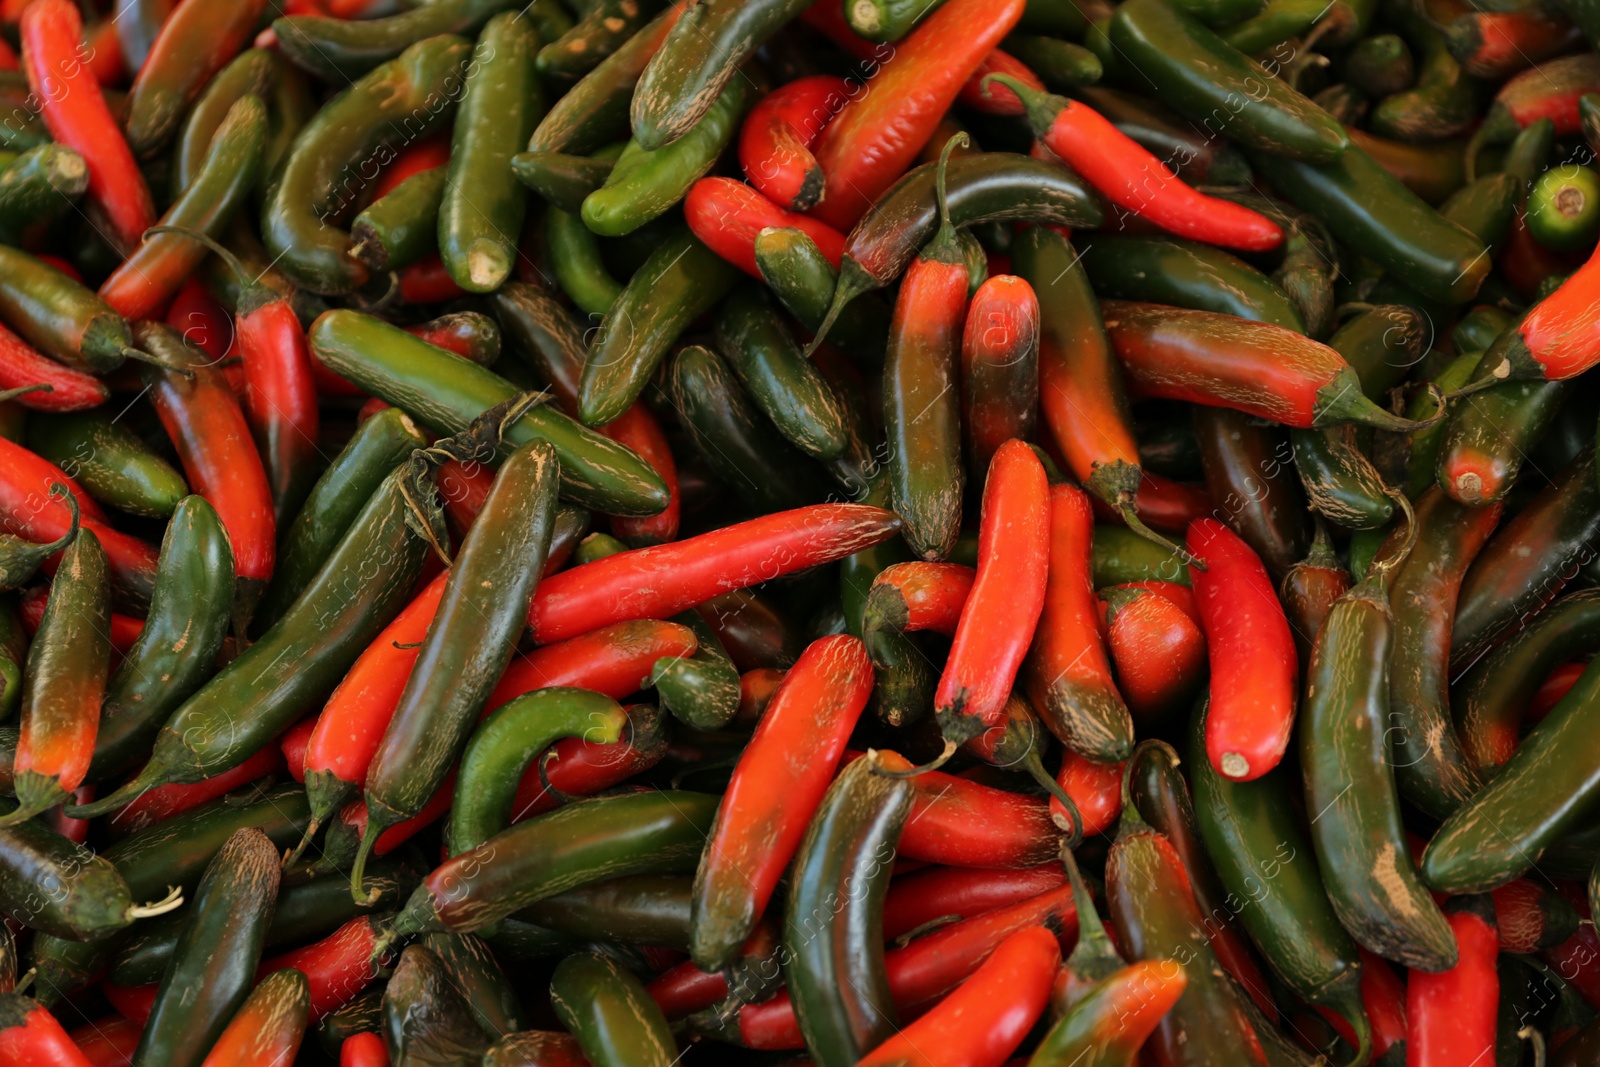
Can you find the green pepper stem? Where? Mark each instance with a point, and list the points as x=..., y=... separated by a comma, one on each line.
x=911, y=772
x=152, y=776
x=358, y=869
x=294, y=854
x=24, y=390
x=1035, y=768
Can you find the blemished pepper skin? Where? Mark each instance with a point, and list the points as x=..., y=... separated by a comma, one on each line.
x=424, y=1015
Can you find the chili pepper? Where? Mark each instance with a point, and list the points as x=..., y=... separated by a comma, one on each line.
x=367, y=119
x=564, y=180
x=465, y=650
x=236, y=713
x=1381, y=65
x=1526, y=564
x=1494, y=44
x=1157, y=649
x=803, y=280
x=269, y=1024
x=824, y=694
x=986, y=187
x=1067, y=674
x=250, y=73
x=574, y=767
x=75, y=112
x=107, y=1042
x=401, y=227
x=1561, y=208
x=778, y=134
x=66, y=671
x=1490, y=698
x=424, y=1016
x=906, y=598
x=337, y=967
x=1115, y=1016
x=202, y=417
x=340, y=50
x=1165, y=270
x=108, y=460
x=595, y=110
x=1550, y=90
x=943, y=895
x=836, y=971
x=610, y=1013
x=1214, y=359
x=1253, y=839
x=647, y=908
x=30, y=1034
x=446, y=394
x=1450, y=1016
x=192, y=47
x=728, y=216
x=20, y=558
x=575, y=261
x=658, y=831
x=638, y=429
x=59, y=317
x=1443, y=102
x=215, y=958
x=376, y=448
x=363, y=1015
x=1530, y=917
x=22, y=369
x=500, y=105
x=1309, y=590
x=169, y=800
x=470, y=963
x=37, y=186
x=1095, y=789
x=999, y=368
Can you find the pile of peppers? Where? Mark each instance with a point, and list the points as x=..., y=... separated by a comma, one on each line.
x=902, y=533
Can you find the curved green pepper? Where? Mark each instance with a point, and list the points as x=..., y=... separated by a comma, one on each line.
x=595, y=111
x=59, y=316
x=402, y=226
x=109, y=461
x=604, y=28
x=575, y=261
x=194, y=43
x=562, y=179
x=646, y=909
x=1445, y=99
x=251, y=73
x=342, y=50
x=803, y=280
x=616, y=1022
x=1169, y=270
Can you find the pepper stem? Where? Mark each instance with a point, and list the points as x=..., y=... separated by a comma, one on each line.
x=59, y=490
x=1381, y=568
x=911, y=772
x=1041, y=108
x=247, y=285
x=139, y=355
x=24, y=390
x=171, y=902
x=358, y=869
x=851, y=283
x=1035, y=767
x=1094, y=958
x=290, y=857
x=152, y=776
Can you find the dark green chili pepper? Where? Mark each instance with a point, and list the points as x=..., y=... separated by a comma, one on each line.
x=1380, y=65
x=1278, y=22
x=562, y=179
x=38, y=186
x=1309, y=263
x=60, y=317
x=342, y=50
x=21, y=558
x=470, y=964
x=1168, y=270
x=803, y=280
x=376, y=449
x=445, y=393
x=1445, y=99
x=649, y=909
x=475, y=630
x=595, y=111
x=1491, y=432
x=600, y=32
x=1427, y=443
x=480, y=217
x=213, y=964
x=1247, y=472
x=1061, y=65
x=1564, y=208
x=575, y=261
x=108, y=460
x=172, y=77
x=251, y=73
x=425, y=1019
x=607, y=1009
x=682, y=279
x=336, y=155
x=177, y=648
x=701, y=691
x=834, y=920
x=402, y=226
x=1122, y=556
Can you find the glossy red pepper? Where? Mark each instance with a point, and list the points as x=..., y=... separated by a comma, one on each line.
x=337, y=968
x=988, y=1015
x=1559, y=338
x=612, y=660
x=1450, y=1016
x=1254, y=666
x=961, y=823
x=574, y=767
x=1158, y=650
x=919, y=596
x=363, y=1050
x=1096, y=788
x=413, y=159
x=1180, y=596
x=75, y=112
x=775, y=141
x=641, y=431
x=1163, y=504
x=877, y=135
x=352, y=819
x=999, y=367
x=1001, y=613
x=163, y=802
x=1494, y=44
x=463, y=488
x=1131, y=177
x=776, y=786
x=207, y=325
x=108, y=1042
x=31, y=1037
x=22, y=365
x=293, y=745
x=728, y=216
x=427, y=282
x=662, y=580
x=995, y=97
x=940, y=895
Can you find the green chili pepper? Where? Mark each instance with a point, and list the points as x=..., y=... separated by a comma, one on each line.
x=473, y=634
x=1445, y=99
x=1564, y=208
x=575, y=261
x=562, y=179
x=1201, y=76
x=177, y=647
x=109, y=461
x=480, y=217
x=649, y=909
x=803, y=280
x=1490, y=433
x=1061, y=65
x=595, y=111
x=60, y=317
x=378, y=446
x=1279, y=21
x=1426, y=443
x=503, y=746
x=171, y=79
x=425, y=1019
x=38, y=186
x=1122, y=556
x=13, y=653
x=290, y=106
x=1486, y=208
x=335, y=156
x=601, y=31
x=833, y=922
x=1380, y=65
x=1168, y=270
x=342, y=50
x=21, y=558
x=682, y=279
x=1380, y=218
x=470, y=964
x=607, y=1009
x=1309, y=263
x=213, y=964
x=445, y=393
x=402, y=226
x=645, y=183
x=251, y=73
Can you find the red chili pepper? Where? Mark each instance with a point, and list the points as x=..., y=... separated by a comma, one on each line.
x=1179, y=595
x=203, y=323
x=1500, y=43
x=1163, y=504
x=776, y=787
x=165, y=801
x=949, y=894
x=75, y=112
x=1523, y=911
x=463, y=487
x=1068, y=676
x=1450, y=1016
x=423, y=155
x=999, y=367
x=1559, y=338
x=728, y=216
x=1552, y=689
x=920, y=596
x=1158, y=650
x=961, y=823
x=125, y=630
x=31, y=1037
x=641, y=431
x=878, y=133
x=363, y=1050
x=684, y=989
x=1254, y=666
x=578, y=768
x=997, y=98
x=612, y=660
x=353, y=819
x=70, y=390
x=986, y=1018
x=1525, y=263
x=1001, y=613
x=337, y=968
x=775, y=142
x=662, y=580
x=72, y=829
x=756, y=689
x=1096, y=788
x=9, y=60
x=108, y=1042
x=28, y=510
x=1383, y=995
x=927, y=968
x=1549, y=91
x=135, y=1002
x=427, y=282
x=293, y=745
